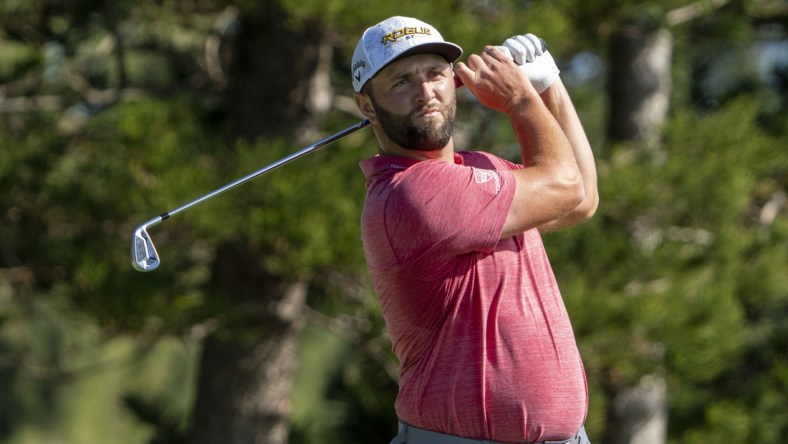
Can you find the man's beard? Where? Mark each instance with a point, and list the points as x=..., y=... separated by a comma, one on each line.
x=401, y=129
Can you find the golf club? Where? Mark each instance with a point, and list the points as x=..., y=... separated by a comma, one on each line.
x=144, y=256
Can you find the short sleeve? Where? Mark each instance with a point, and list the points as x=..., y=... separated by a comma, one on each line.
x=440, y=210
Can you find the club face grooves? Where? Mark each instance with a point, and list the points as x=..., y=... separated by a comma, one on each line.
x=144, y=255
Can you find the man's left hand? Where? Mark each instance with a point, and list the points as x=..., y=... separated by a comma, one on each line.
x=531, y=54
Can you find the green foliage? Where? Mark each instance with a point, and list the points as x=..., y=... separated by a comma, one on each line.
x=304, y=217
x=341, y=395
x=139, y=159
x=346, y=384
x=16, y=58
x=679, y=266
x=681, y=273
x=64, y=379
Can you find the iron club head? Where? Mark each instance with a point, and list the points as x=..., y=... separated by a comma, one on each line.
x=143, y=253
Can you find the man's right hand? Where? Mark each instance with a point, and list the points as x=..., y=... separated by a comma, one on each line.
x=495, y=80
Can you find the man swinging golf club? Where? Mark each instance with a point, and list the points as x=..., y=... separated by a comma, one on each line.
x=452, y=238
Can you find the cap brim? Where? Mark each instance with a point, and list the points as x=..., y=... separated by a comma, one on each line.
x=449, y=51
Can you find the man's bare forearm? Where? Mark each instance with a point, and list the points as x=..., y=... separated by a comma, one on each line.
x=557, y=100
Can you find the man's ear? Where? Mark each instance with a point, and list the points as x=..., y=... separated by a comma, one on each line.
x=364, y=104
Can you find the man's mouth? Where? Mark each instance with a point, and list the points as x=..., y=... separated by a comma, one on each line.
x=427, y=112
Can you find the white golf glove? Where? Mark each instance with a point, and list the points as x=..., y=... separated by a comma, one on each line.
x=530, y=52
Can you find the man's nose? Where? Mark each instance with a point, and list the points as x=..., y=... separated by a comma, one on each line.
x=426, y=91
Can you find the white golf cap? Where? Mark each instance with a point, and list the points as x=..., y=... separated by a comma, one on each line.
x=392, y=39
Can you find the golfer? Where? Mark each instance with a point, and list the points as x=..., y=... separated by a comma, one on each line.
x=452, y=238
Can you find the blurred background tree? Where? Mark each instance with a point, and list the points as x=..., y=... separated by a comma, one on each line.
x=260, y=325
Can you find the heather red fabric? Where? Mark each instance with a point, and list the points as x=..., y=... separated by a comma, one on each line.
x=485, y=344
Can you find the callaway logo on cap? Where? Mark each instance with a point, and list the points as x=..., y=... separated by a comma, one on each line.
x=392, y=39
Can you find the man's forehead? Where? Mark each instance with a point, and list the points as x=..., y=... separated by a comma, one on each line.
x=414, y=63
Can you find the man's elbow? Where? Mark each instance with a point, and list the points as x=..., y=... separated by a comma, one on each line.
x=574, y=192
x=586, y=207
x=582, y=201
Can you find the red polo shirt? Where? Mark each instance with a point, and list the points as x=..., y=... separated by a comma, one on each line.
x=485, y=345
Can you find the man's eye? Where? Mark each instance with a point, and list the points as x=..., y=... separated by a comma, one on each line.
x=439, y=73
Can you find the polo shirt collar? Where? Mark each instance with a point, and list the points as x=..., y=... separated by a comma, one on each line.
x=380, y=163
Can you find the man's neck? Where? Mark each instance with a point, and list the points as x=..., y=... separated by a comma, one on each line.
x=445, y=154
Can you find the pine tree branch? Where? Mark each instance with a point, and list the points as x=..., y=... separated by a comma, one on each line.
x=693, y=10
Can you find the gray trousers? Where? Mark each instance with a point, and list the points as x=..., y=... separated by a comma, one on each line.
x=414, y=435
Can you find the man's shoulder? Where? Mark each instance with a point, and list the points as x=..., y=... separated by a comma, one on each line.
x=485, y=160
x=385, y=164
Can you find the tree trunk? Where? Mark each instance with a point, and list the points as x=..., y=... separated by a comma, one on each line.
x=639, y=90
x=639, y=84
x=277, y=87
x=279, y=79
x=243, y=393
x=248, y=365
x=639, y=414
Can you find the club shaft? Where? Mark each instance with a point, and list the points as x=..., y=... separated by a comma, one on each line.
x=306, y=150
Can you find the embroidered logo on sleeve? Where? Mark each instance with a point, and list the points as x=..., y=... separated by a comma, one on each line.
x=484, y=176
